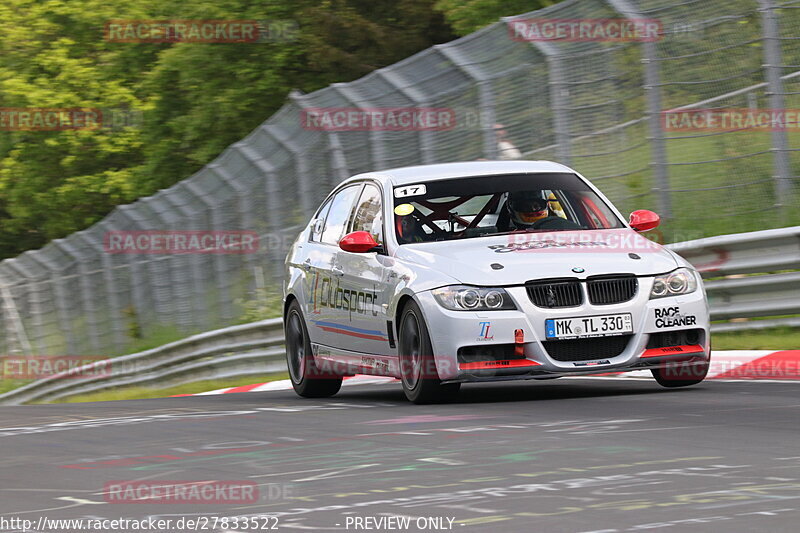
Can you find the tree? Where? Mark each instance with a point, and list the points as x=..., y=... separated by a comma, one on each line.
x=467, y=16
x=192, y=99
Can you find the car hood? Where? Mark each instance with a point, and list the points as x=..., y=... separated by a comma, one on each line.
x=520, y=257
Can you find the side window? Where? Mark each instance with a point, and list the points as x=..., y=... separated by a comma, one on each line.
x=316, y=231
x=339, y=214
x=368, y=215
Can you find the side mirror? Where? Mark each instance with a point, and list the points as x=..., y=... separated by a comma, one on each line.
x=644, y=220
x=358, y=242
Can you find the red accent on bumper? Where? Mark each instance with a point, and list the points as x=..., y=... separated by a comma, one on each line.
x=519, y=340
x=507, y=363
x=673, y=350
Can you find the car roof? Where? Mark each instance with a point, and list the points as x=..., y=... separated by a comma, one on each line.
x=443, y=171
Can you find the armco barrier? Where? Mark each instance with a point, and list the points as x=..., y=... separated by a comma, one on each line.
x=248, y=349
x=257, y=348
x=749, y=278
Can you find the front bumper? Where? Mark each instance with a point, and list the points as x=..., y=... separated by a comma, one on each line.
x=499, y=332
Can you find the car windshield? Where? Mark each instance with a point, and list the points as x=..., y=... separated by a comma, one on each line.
x=491, y=205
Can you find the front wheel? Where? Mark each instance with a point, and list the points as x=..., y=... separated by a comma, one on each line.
x=307, y=379
x=418, y=372
x=681, y=374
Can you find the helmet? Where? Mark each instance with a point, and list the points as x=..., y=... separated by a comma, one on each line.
x=526, y=207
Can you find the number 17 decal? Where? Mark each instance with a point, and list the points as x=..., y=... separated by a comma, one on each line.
x=409, y=190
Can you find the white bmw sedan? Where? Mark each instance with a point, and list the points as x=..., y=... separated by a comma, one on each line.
x=485, y=271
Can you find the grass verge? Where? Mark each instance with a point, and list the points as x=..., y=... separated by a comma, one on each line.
x=765, y=339
x=140, y=393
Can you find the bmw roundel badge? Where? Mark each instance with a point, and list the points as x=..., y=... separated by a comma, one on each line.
x=578, y=270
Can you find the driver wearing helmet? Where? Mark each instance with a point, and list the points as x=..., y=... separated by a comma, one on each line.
x=526, y=208
x=529, y=210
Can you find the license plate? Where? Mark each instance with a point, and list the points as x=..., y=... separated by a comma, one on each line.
x=588, y=326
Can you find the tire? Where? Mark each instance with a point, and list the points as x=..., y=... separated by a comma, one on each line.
x=308, y=381
x=418, y=373
x=681, y=375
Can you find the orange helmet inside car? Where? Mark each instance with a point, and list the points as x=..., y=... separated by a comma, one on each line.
x=526, y=207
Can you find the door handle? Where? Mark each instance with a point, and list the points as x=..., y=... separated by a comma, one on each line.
x=337, y=271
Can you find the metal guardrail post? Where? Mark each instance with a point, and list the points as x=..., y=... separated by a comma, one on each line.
x=773, y=61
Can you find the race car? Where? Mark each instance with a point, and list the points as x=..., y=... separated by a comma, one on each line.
x=451, y=273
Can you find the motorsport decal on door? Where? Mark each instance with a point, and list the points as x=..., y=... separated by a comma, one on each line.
x=331, y=294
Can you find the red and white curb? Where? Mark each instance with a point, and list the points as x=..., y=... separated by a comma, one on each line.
x=737, y=365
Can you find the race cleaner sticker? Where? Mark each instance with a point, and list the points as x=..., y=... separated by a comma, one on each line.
x=671, y=317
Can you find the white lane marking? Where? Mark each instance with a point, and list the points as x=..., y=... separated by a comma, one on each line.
x=338, y=472
x=79, y=501
x=290, y=473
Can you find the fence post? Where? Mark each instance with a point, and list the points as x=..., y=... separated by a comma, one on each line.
x=773, y=61
x=274, y=207
x=306, y=195
x=376, y=138
x=652, y=89
x=427, y=155
x=559, y=94
x=63, y=305
x=14, y=327
x=486, y=114
x=338, y=163
x=86, y=305
x=338, y=159
x=112, y=297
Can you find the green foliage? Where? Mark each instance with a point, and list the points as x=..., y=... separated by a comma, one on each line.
x=192, y=99
x=266, y=303
x=467, y=16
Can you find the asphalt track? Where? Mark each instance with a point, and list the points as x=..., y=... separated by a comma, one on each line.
x=569, y=455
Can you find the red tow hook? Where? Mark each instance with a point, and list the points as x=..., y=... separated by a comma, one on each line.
x=519, y=339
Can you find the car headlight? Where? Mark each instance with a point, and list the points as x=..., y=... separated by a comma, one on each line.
x=466, y=298
x=680, y=281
